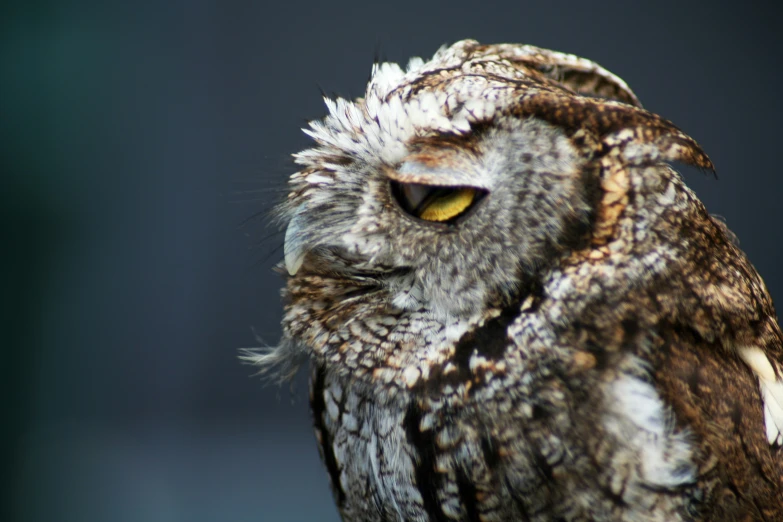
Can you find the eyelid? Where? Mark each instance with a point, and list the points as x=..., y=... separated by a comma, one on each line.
x=415, y=193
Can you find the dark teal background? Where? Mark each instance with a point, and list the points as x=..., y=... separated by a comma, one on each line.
x=138, y=136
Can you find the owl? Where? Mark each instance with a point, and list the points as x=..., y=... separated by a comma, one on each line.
x=513, y=308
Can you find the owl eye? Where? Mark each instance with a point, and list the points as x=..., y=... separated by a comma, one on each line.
x=436, y=203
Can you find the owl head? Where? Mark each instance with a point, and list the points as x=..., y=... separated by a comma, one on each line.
x=455, y=182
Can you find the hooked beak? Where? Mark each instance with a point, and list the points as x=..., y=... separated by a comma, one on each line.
x=294, y=246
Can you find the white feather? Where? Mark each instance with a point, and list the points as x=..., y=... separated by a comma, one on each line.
x=771, y=386
x=639, y=417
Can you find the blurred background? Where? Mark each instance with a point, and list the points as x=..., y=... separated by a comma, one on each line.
x=142, y=144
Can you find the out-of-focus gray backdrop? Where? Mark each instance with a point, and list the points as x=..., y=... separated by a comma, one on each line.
x=138, y=136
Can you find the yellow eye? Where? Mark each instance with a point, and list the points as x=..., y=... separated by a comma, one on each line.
x=435, y=203
x=448, y=205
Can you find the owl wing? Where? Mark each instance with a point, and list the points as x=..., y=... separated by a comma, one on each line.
x=727, y=387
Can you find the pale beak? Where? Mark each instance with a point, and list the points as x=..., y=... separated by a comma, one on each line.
x=294, y=246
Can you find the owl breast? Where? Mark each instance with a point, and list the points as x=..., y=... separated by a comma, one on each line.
x=504, y=415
